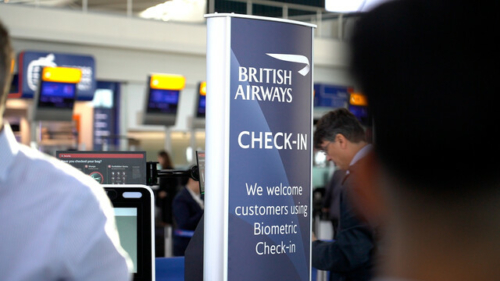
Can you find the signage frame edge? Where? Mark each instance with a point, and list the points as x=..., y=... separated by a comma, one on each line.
x=227, y=15
x=216, y=169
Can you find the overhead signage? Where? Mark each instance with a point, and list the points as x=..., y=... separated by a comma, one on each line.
x=263, y=85
x=31, y=64
x=331, y=96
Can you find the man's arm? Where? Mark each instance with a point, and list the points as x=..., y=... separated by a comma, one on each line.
x=352, y=249
x=90, y=241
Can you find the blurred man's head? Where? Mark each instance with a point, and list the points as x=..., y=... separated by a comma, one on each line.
x=430, y=75
x=340, y=136
x=6, y=57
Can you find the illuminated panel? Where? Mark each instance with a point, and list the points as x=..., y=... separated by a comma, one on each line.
x=358, y=99
x=167, y=82
x=62, y=75
x=203, y=88
x=57, y=90
x=202, y=99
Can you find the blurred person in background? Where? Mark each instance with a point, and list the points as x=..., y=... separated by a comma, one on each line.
x=56, y=222
x=430, y=70
x=167, y=189
x=188, y=210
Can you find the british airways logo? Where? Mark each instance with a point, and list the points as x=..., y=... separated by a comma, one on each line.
x=267, y=83
x=294, y=58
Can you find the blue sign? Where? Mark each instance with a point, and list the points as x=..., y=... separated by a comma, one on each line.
x=32, y=63
x=106, y=111
x=269, y=150
x=331, y=96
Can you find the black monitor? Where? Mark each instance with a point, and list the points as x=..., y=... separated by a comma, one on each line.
x=116, y=167
x=200, y=107
x=54, y=99
x=162, y=99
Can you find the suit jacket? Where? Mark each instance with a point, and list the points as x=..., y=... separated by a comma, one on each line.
x=332, y=194
x=187, y=214
x=351, y=255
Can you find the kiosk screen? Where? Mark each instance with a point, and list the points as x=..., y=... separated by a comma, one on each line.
x=126, y=223
x=109, y=167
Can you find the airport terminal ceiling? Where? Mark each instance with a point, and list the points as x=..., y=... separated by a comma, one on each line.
x=259, y=7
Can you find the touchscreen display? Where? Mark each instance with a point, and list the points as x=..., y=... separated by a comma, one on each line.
x=109, y=167
x=163, y=101
x=57, y=95
x=134, y=215
x=126, y=223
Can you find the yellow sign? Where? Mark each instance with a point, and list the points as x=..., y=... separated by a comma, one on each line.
x=358, y=99
x=167, y=82
x=62, y=74
x=203, y=88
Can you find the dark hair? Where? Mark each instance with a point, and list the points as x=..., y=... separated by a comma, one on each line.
x=5, y=63
x=339, y=121
x=166, y=158
x=430, y=76
x=184, y=180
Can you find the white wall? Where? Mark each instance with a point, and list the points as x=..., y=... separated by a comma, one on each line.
x=128, y=49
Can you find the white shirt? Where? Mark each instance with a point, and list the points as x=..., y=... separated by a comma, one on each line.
x=56, y=223
x=360, y=154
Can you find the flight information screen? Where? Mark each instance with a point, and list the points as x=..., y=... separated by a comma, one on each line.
x=202, y=103
x=57, y=95
x=109, y=167
x=163, y=101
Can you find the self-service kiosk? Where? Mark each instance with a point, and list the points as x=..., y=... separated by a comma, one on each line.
x=200, y=106
x=51, y=113
x=56, y=93
x=162, y=99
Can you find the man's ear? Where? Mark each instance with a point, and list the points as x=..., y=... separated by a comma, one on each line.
x=366, y=192
x=341, y=140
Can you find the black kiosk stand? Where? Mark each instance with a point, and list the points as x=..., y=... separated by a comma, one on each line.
x=193, y=257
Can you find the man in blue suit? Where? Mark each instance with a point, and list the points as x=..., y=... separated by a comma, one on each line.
x=342, y=138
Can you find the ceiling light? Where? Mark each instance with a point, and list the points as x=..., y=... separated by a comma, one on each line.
x=177, y=10
x=351, y=6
